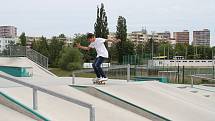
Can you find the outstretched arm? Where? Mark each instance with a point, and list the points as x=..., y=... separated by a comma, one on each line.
x=82, y=47
x=113, y=40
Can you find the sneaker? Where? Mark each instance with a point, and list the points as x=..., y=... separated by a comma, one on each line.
x=103, y=79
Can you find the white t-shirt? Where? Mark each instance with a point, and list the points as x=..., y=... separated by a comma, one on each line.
x=99, y=45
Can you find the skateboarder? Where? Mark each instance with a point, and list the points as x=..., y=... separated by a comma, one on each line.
x=102, y=54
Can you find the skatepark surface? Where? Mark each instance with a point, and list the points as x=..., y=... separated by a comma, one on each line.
x=167, y=100
x=8, y=114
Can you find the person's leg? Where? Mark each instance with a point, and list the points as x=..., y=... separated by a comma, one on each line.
x=98, y=66
x=96, y=69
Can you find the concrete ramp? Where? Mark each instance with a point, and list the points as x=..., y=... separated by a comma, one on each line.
x=8, y=114
x=164, y=100
x=19, y=112
x=25, y=62
x=59, y=110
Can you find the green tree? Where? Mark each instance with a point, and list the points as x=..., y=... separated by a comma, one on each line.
x=190, y=52
x=113, y=54
x=151, y=44
x=55, y=48
x=22, y=38
x=70, y=59
x=124, y=47
x=165, y=49
x=180, y=50
x=41, y=46
x=101, y=25
x=62, y=36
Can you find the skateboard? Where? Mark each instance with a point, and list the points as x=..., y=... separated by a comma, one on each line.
x=99, y=82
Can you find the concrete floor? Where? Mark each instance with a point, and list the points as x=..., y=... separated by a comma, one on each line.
x=59, y=110
x=166, y=100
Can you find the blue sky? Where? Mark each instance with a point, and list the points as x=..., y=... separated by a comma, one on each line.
x=52, y=17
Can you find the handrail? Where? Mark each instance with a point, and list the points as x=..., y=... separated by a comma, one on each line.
x=29, y=50
x=55, y=94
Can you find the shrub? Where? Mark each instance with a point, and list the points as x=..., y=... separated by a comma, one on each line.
x=70, y=59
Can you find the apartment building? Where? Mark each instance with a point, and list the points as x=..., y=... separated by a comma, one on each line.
x=181, y=37
x=201, y=38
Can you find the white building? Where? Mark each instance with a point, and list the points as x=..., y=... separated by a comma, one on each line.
x=142, y=37
x=4, y=42
x=186, y=63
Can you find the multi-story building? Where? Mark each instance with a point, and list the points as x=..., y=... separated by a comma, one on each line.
x=8, y=32
x=201, y=38
x=30, y=40
x=8, y=35
x=138, y=36
x=164, y=35
x=4, y=42
x=143, y=36
x=181, y=37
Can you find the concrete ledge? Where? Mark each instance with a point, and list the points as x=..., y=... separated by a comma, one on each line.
x=15, y=105
x=121, y=103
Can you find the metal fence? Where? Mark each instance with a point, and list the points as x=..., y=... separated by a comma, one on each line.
x=22, y=51
x=52, y=93
x=136, y=59
x=37, y=57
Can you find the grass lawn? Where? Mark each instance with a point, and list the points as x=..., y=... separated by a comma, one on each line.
x=63, y=73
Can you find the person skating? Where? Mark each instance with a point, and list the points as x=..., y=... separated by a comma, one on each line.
x=102, y=54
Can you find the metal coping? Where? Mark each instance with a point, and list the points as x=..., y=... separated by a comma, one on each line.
x=77, y=86
x=24, y=107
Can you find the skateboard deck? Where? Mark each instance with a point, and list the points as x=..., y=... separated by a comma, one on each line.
x=100, y=82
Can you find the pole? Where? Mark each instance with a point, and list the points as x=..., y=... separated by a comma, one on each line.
x=186, y=54
x=128, y=72
x=191, y=81
x=168, y=52
x=213, y=61
x=92, y=114
x=73, y=78
x=152, y=39
x=178, y=73
x=183, y=75
x=35, y=106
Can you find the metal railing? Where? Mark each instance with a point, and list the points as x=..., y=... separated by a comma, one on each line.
x=23, y=51
x=52, y=93
x=127, y=67
x=37, y=57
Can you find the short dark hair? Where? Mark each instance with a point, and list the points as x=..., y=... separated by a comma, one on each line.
x=90, y=35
